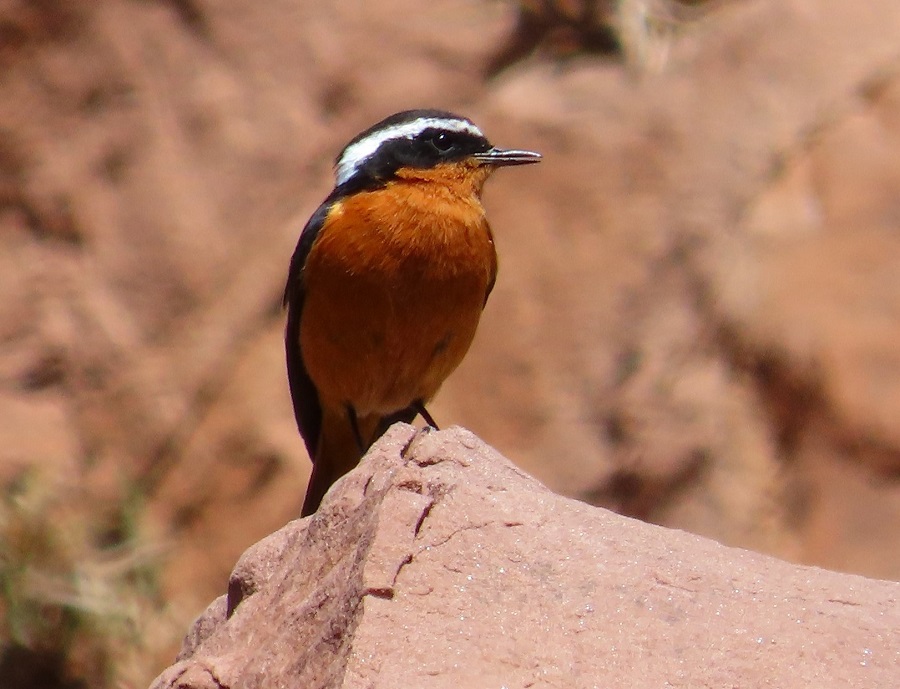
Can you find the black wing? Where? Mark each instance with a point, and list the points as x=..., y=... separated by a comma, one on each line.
x=305, y=397
x=490, y=288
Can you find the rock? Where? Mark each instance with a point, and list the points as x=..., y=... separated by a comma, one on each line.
x=438, y=563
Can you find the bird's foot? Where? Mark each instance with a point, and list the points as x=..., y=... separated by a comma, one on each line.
x=419, y=406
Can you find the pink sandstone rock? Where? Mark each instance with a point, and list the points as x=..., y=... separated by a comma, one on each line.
x=437, y=563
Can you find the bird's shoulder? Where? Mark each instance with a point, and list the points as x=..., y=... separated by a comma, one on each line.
x=293, y=290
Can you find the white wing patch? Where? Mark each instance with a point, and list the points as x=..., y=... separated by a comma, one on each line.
x=357, y=153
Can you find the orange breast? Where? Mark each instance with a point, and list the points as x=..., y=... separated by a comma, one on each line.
x=394, y=288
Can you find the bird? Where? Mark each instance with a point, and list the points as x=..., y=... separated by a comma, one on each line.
x=387, y=283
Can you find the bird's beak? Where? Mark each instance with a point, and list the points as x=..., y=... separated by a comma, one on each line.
x=501, y=156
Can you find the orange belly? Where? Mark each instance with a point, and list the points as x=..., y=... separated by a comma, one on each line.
x=393, y=295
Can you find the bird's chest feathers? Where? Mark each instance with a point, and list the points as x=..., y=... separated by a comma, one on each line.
x=395, y=285
x=407, y=236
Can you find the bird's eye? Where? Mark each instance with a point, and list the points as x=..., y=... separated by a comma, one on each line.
x=442, y=141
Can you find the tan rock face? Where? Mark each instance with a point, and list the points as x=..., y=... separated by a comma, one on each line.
x=438, y=563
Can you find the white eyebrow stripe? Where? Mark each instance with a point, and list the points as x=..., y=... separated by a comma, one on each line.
x=355, y=154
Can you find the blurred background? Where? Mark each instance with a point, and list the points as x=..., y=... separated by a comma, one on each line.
x=696, y=321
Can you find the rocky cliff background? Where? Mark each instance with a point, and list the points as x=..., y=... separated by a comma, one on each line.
x=696, y=321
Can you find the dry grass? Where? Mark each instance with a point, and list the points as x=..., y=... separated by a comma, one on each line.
x=639, y=32
x=79, y=598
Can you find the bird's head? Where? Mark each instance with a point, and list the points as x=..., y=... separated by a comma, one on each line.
x=422, y=144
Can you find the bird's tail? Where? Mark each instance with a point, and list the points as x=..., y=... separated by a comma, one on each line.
x=337, y=452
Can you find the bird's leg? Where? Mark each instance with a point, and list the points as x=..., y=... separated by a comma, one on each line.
x=419, y=406
x=354, y=426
